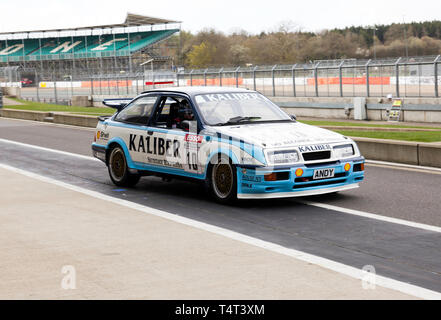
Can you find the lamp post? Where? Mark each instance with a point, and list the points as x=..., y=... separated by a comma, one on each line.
x=375, y=50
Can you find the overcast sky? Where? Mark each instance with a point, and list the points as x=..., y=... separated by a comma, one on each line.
x=226, y=15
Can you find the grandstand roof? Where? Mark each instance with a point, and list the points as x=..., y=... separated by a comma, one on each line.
x=132, y=20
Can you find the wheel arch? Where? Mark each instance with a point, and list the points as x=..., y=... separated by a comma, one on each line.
x=118, y=142
x=225, y=152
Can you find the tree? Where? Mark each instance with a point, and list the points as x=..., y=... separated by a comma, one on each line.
x=201, y=56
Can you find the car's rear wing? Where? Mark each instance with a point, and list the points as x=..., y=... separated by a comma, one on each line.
x=117, y=104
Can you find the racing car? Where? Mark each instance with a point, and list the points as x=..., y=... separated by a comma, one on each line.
x=236, y=141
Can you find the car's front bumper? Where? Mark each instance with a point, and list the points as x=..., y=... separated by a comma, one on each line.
x=252, y=185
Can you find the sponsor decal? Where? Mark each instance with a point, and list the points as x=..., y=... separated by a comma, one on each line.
x=319, y=147
x=193, y=138
x=101, y=135
x=228, y=97
x=154, y=145
x=251, y=178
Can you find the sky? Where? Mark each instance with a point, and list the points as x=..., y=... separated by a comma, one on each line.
x=225, y=15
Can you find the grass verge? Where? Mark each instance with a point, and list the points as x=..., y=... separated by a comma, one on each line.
x=420, y=136
x=37, y=106
x=363, y=124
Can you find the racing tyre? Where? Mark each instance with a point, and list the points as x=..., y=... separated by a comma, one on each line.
x=222, y=180
x=118, y=170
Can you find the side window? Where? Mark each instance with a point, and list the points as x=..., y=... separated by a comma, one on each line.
x=172, y=113
x=138, y=112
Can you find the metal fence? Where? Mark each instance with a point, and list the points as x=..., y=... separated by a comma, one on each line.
x=59, y=87
x=401, y=77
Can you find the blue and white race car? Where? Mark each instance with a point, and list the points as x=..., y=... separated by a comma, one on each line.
x=236, y=141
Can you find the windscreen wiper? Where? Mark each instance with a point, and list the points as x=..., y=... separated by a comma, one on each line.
x=237, y=120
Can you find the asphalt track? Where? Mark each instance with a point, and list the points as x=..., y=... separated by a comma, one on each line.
x=405, y=253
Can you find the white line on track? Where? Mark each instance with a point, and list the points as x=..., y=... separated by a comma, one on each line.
x=373, y=216
x=51, y=124
x=404, y=166
x=48, y=149
x=325, y=263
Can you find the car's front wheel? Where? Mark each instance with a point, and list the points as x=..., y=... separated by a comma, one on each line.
x=222, y=180
x=119, y=171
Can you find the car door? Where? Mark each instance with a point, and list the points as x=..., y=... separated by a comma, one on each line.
x=173, y=145
x=133, y=121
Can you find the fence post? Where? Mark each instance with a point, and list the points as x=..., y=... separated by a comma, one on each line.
x=340, y=77
x=91, y=86
x=397, y=77
x=316, y=79
x=273, y=80
x=237, y=77
x=55, y=89
x=436, y=76
x=205, y=77
x=37, y=83
x=191, y=78
x=254, y=78
x=293, y=70
x=220, y=76
x=367, y=79
x=117, y=85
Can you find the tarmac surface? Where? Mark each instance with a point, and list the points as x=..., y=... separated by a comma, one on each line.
x=401, y=252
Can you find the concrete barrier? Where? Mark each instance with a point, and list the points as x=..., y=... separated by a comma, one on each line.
x=429, y=154
x=76, y=120
x=24, y=114
x=81, y=101
x=389, y=150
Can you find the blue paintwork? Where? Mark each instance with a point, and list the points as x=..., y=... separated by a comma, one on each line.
x=259, y=185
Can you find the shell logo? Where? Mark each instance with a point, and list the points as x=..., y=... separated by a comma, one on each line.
x=43, y=84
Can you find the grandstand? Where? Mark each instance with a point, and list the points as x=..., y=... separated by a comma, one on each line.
x=119, y=48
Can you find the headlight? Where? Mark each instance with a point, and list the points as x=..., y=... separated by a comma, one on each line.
x=283, y=157
x=344, y=151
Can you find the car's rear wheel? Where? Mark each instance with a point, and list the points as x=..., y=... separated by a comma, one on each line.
x=119, y=171
x=223, y=180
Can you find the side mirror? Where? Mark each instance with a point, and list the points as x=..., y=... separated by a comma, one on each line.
x=293, y=117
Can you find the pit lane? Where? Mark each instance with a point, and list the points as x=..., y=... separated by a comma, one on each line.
x=397, y=251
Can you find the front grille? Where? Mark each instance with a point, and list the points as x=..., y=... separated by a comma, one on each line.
x=322, y=164
x=319, y=155
x=317, y=184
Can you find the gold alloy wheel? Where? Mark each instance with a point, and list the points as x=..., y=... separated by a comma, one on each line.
x=117, y=164
x=222, y=180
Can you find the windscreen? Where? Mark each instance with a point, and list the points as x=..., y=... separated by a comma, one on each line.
x=230, y=108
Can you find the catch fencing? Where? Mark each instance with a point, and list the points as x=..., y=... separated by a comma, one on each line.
x=401, y=77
